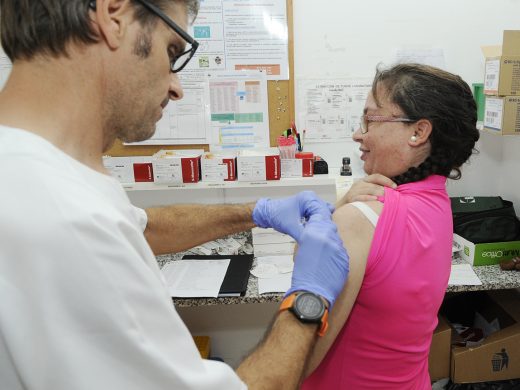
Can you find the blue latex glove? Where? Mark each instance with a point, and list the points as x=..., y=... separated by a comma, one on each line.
x=287, y=215
x=321, y=265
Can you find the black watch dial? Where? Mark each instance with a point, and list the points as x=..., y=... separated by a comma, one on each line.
x=309, y=307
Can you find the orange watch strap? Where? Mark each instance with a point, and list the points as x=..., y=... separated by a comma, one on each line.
x=287, y=303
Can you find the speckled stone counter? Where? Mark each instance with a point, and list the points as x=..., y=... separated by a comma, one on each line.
x=492, y=277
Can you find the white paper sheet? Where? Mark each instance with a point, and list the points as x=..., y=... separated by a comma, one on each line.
x=285, y=248
x=463, y=275
x=274, y=273
x=239, y=110
x=185, y=121
x=5, y=68
x=330, y=109
x=195, y=278
x=245, y=34
x=280, y=283
x=426, y=56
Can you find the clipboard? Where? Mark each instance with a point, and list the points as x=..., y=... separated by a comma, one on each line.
x=237, y=275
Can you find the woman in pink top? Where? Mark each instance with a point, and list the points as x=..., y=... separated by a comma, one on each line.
x=418, y=128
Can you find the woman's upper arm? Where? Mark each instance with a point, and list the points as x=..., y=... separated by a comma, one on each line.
x=356, y=232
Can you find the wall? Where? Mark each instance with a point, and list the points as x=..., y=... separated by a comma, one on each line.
x=340, y=38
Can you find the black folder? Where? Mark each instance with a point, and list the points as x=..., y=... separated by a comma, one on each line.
x=237, y=274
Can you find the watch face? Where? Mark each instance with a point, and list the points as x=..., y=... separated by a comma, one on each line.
x=309, y=307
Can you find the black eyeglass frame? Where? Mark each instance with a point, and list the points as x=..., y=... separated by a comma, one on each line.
x=175, y=27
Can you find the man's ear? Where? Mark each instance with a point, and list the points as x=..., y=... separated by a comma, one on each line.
x=422, y=130
x=112, y=18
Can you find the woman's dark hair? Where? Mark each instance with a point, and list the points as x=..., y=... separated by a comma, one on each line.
x=425, y=92
x=33, y=27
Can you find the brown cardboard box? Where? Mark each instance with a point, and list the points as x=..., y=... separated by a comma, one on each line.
x=502, y=115
x=502, y=75
x=498, y=357
x=439, y=358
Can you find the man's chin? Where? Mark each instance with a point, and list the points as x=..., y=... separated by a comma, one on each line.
x=137, y=136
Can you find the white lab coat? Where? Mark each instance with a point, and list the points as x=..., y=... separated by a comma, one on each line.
x=82, y=301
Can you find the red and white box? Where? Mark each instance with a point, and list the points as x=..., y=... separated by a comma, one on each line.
x=175, y=167
x=258, y=164
x=133, y=169
x=301, y=166
x=218, y=167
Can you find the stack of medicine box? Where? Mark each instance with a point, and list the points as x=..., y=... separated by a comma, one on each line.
x=502, y=85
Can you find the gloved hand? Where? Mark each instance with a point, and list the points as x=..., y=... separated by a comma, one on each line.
x=321, y=265
x=285, y=215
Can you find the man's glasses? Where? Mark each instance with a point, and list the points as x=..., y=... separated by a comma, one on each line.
x=178, y=62
x=366, y=119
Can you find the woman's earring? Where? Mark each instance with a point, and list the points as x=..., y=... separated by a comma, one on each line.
x=413, y=138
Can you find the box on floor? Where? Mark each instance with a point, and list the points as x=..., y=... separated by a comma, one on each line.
x=498, y=357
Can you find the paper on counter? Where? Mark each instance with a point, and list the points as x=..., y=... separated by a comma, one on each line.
x=269, y=236
x=280, y=283
x=286, y=248
x=270, y=266
x=195, y=278
x=463, y=275
x=274, y=273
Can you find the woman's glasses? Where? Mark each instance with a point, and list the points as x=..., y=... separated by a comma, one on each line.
x=366, y=119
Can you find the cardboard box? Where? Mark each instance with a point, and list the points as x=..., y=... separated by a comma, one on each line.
x=175, y=167
x=486, y=253
x=440, y=349
x=297, y=167
x=253, y=165
x=502, y=115
x=121, y=168
x=218, y=168
x=498, y=357
x=134, y=169
x=502, y=68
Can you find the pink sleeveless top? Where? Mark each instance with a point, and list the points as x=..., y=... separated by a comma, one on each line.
x=386, y=339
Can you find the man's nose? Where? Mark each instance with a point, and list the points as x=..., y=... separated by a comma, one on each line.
x=176, y=92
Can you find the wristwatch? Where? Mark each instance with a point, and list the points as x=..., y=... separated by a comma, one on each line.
x=308, y=308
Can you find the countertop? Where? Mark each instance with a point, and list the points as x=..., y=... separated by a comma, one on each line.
x=492, y=277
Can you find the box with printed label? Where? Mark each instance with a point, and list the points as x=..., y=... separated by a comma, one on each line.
x=253, y=165
x=486, y=253
x=134, y=169
x=502, y=115
x=297, y=167
x=440, y=349
x=502, y=68
x=217, y=167
x=175, y=167
x=121, y=168
x=496, y=357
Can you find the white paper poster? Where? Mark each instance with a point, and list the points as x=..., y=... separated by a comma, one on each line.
x=239, y=114
x=426, y=56
x=330, y=109
x=5, y=68
x=185, y=121
x=241, y=35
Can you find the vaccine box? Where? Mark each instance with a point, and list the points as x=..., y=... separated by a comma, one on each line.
x=133, y=169
x=176, y=167
x=297, y=167
x=258, y=164
x=218, y=167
